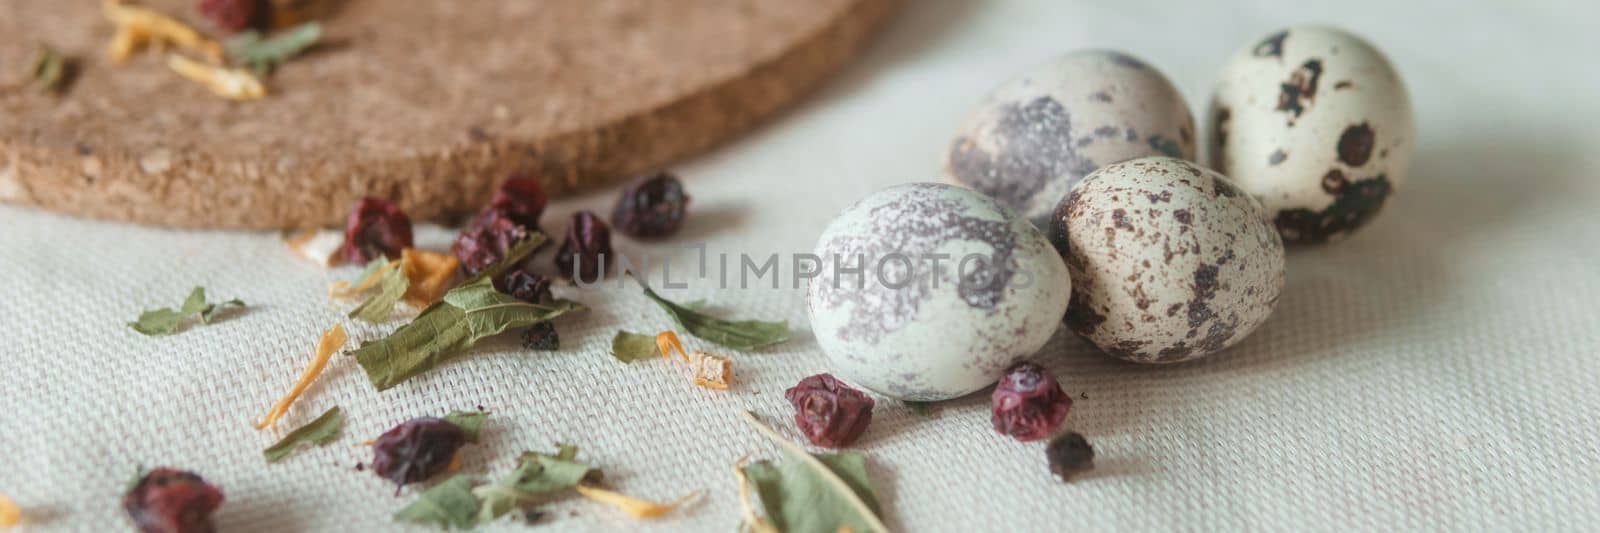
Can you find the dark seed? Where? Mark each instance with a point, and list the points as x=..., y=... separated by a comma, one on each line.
x=531, y=288
x=652, y=207
x=542, y=337
x=1069, y=454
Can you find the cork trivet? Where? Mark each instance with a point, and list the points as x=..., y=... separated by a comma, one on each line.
x=428, y=103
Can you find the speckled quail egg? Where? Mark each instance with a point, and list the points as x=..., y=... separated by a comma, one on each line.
x=1037, y=135
x=1169, y=261
x=1314, y=122
x=929, y=291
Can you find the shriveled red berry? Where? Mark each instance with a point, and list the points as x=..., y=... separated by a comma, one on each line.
x=232, y=15
x=416, y=449
x=1069, y=454
x=583, y=254
x=520, y=199
x=1028, y=403
x=167, y=500
x=829, y=412
x=375, y=228
x=531, y=288
x=651, y=207
x=542, y=337
x=485, y=240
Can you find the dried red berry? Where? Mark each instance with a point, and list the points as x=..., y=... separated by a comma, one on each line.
x=541, y=336
x=485, y=240
x=166, y=500
x=232, y=15
x=1069, y=454
x=653, y=206
x=1028, y=403
x=520, y=199
x=583, y=254
x=531, y=288
x=416, y=449
x=375, y=227
x=829, y=412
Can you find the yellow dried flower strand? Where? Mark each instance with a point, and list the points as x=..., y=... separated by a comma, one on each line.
x=331, y=341
x=635, y=507
x=342, y=289
x=667, y=342
x=10, y=514
x=429, y=273
x=137, y=26
x=230, y=83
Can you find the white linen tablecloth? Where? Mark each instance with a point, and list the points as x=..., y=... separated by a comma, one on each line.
x=1435, y=372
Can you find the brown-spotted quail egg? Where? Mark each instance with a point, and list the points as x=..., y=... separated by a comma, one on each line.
x=929, y=291
x=1314, y=122
x=1038, y=134
x=1169, y=261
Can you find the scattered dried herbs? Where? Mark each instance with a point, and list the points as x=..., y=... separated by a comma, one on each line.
x=263, y=55
x=531, y=288
x=1069, y=455
x=446, y=505
x=821, y=493
x=635, y=507
x=709, y=371
x=583, y=254
x=375, y=227
x=651, y=207
x=331, y=341
x=169, y=500
x=1028, y=403
x=48, y=70
x=628, y=347
x=417, y=449
x=429, y=274
x=511, y=216
x=392, y=285
x=542, y=337
x=233, y=15
x=158, y=322
x=233, y=84
x=470, y=422
x=536, y=475
x=742, y=335
x=319, y=432
x=138, y=26
x=828, y=412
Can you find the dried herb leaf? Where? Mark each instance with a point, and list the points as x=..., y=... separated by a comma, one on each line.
x=628, y=346
x=919, y=408
x=263, y=55
x=742, y=335
x=48, y=69
x=446, y=505
x=445, y=330
x=320, y=431
x=470, y=422
x=157, y=322
x=821, y=493
x=536, y=474
x=391, y=287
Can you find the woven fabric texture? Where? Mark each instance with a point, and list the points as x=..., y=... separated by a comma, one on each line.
x=1437, y=371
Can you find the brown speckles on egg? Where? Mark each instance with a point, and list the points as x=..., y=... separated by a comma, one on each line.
x=1277, y=157
x=1333, y=182
x=1354, y=204
x=1342, y=85
x=1300, y=89
x=1272, y=46
x=1355, y=144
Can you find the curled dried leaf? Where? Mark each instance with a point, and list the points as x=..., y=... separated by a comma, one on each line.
x=430, y=274
x=369, y=278
x=233, y=84
x=635, y=507
x=667, y=342
x=331, y=341
x=138, y=26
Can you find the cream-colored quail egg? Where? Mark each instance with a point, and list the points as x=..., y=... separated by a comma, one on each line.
x=1037, y=135
x=1315, y=123
x=929, y=291
x=1169, y=261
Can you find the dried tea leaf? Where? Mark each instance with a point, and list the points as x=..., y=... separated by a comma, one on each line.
x=470, y=422
x=741, y=335
x=158, y=322
x=392, y=285
x=263, y=55
x=446, y=505
x=536, y=475
x=233, y=84
x=331, y=341
x=628, y=346
x=821, y=493
x=48, y=69
x=445, y=330
x=635, y=507
x=319, y=432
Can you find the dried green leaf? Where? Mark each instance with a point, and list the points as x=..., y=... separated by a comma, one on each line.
x=262, y=55
x=157, y=322
x=446, y=505
x=319, y=432
x=536, y=475
x=391, y=287
x=741, y=335
x=919, y=408
x=470, y=422
x=48, y=69
x=447, y=329
x=821, y=493
x=628, y=346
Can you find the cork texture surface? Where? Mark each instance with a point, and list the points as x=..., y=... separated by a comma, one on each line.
x=430, y=105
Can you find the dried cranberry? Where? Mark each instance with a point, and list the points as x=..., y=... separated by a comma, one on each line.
x=172, y=501
x=829, y=412
x=1028, y=403
x=233, y=15
x=1069, y=454
x=541, y=336
x=416, y=449
x=531, y=288
x=375, y=227
x=582, y=255
x=653, y=206
x=520, y=199
x=485, y=240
